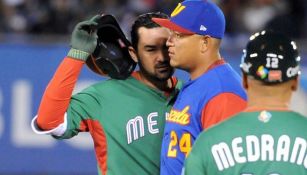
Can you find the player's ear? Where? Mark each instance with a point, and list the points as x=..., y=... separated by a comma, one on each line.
x=244, y=81
x=205, y=43
x=133, y=53
x=295, y=84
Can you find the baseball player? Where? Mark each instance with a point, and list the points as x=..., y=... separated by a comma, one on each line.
x=214, y=91
x=125, y=116
x=267, y=138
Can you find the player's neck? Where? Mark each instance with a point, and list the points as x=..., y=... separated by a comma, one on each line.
x=204, y=65
x=268, y=102
x=263, y=106
x=262, y=96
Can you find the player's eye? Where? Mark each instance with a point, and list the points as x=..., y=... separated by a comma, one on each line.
x=175, y=34
x=178, y=35
x=151, y=49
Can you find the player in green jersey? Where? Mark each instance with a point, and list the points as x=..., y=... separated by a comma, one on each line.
x=124, y=117
x=267, y=138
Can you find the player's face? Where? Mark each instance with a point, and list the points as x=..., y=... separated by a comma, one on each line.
x=152, y=53
x=183, y=49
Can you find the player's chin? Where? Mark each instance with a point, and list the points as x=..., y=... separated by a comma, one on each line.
x=174, y=63
x=165, y=74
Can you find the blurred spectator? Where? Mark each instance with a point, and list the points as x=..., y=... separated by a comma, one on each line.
x=2, y=15
x=257, y=13
x=13, y=19
x=286, y=16
x=58, y=16
x=292, y=22
x=57, y=20
x=141, y=6
x=230, y=9
x=166, y=6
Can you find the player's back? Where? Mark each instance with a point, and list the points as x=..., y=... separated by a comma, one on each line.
x=253, y=143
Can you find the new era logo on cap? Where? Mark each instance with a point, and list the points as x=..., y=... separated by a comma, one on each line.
x=202, y=28
x=196, y=17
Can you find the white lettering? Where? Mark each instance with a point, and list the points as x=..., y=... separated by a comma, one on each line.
x=253, y=148
x=152, y=123
x=137, y=124
x=283, y=147
x=237, y=150
x=272, y=62
x=166, y=116
x=260, y=149
x=298, y=143
x=305, y=162
x=267, y=147
x=292, y=71
x=222, y=156
x=246, y=67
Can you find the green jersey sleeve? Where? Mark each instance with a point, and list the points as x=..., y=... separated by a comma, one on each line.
x=83, y=106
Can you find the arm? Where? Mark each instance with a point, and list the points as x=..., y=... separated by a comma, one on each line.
x=57, y=95
x=220, y=108
x=56, y=98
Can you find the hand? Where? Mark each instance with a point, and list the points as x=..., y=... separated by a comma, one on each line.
x=84, y=39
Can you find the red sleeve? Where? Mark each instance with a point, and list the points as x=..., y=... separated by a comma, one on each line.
x=220, y=108
x=57, y=95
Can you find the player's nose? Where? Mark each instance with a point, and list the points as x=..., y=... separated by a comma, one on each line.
x=169, y=41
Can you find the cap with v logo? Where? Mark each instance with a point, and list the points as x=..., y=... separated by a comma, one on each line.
x=200, y=17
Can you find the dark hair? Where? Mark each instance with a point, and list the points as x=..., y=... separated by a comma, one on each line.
x=144, y=20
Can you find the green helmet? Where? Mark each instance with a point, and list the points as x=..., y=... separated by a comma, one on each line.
x=271, y=58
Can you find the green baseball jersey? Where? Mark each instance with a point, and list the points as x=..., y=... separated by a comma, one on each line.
x=252, y=143
x=125, y=119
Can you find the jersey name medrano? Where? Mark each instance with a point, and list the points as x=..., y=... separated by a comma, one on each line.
x=263, y=148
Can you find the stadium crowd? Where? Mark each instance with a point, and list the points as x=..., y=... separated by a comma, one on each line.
x=59, y=16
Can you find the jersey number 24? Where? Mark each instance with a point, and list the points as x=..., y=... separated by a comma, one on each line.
x=184, y=144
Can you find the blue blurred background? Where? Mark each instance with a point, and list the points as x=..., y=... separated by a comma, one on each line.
x=34, y=37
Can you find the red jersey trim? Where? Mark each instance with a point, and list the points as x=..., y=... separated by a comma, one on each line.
x=220, y=108
x=216, y=63
x=100, y=142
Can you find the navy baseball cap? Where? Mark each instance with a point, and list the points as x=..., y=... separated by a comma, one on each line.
x=200, y=17
x=271, y=57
